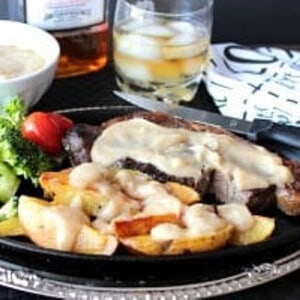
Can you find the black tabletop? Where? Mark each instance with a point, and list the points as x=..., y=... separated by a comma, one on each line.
x=97, y=90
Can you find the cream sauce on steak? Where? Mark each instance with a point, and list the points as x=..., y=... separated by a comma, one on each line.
x=184, y=153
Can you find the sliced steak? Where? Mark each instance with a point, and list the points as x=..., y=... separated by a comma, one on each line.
x=258, y=200
x=288, y=198
x=202, y=186
x=79, y=140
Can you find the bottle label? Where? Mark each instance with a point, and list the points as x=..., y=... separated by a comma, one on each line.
x=55, y=15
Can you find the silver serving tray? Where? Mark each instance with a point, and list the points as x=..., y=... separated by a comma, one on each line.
x=28, y=281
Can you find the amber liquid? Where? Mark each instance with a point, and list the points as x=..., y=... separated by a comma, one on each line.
x=82, y=51
x=167, y=66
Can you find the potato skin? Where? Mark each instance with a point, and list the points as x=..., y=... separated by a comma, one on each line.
x=142, y=225
x=146, y=245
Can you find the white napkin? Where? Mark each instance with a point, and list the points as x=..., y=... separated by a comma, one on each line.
x=249, y=83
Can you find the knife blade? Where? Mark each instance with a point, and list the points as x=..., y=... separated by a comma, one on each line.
x=257, y=130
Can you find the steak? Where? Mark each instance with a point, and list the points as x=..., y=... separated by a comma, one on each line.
x=257, y=200
x=79, y=140
x=202, y=186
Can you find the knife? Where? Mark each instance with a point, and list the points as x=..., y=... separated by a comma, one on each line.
x=257, y=130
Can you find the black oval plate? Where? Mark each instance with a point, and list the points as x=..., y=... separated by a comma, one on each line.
x=123, y=269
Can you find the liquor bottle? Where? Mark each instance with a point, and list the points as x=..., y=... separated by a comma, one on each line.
x=81, y=28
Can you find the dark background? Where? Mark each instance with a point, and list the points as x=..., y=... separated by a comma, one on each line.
x=257, y=21
x=254, y=21
x=242, y=21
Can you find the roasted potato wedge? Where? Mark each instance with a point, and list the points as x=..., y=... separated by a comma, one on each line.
x=91, y=202
x=203, y=243
x=261, y=229
x=143, y=244
x=184, y=193
x=56, y=185
x=11, y=227
x=91, y=241
x=48, y=225
x=62, y=227
x=146, y=245
x=142, y=225
x=51, y=182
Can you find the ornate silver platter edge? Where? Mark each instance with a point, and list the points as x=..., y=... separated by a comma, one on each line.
x=27, y=281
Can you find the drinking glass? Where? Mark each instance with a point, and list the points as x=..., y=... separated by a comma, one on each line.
x=161, y=47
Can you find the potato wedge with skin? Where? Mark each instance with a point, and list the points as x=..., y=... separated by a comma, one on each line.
x=142, y=225
x=11, y=227
x=145, y=244
x=56, y=185
x=51, y=182
x=50, y=226
x=184, y=193
x=208, y=242
x=91, y=241
x=91, y=202
x=261, y=229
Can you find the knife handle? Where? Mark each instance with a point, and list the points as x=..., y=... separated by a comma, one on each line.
x=267, y=130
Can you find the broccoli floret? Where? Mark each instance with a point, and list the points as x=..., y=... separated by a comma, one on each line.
x=9, y=209
x=14, y=112
x=26, y=159
x=9, y=182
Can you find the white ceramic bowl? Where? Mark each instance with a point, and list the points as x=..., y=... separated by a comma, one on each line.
x=33, y=85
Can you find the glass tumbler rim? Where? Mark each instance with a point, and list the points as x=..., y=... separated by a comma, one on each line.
x=164, y=14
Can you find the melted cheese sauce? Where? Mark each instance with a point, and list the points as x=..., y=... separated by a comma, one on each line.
x=133, y=195
x=185, y=153
x=15, y=61
x=198, y=219
x=129, y=192
x=156, y=199
x=237, y=215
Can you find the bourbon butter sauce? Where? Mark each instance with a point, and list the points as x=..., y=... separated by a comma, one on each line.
x=16, y=61
x=184, y=153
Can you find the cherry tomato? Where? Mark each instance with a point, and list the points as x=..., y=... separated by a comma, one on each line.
x=41, y=129
x=63, y=122
x=46, y=130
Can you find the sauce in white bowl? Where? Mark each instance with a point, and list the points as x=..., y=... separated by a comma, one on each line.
x=29, y=83
x=16, y=61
